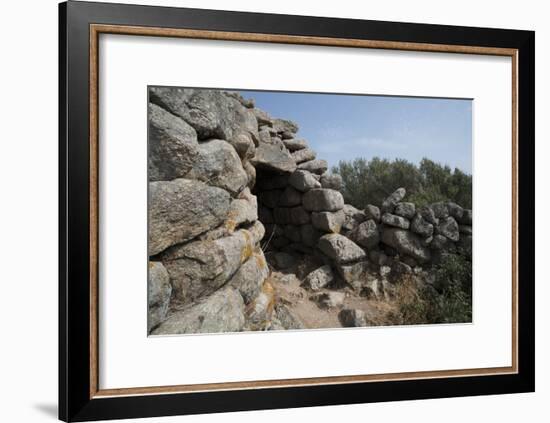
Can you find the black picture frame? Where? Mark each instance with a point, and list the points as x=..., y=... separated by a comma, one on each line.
x=76, y=403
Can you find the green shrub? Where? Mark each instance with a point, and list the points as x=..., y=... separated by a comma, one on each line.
x=449, y=300
x=370, y=182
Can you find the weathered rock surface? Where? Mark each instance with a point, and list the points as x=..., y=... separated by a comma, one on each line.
x=428, y=214
x=448, y=228
x=251, y=276
x=388, y=205
x=421, y=226
x=406, y=210
x=294, y=144
x=322, y=199
x=219, y=165
x=287, y=319
x=466, y=218
x=303, y=155
x=328, y=221
x=303, y=181
x=352, y=217
x=354, y=273
x=173, y=146
x=212, y=113
x=290, y=197
x=158, y=294
x=271, y=157
x=455, y=210
x=372, y=212
x=315, y=166
x=396, y=221
x=319, y=278
x=285, y=125
x=340, y=249
x=180, y=210
x=199, y=268
x=366, y=234
x=309, y=235
x=405, y=242
x=223, y=311
x=243, y=210
x=331, y=180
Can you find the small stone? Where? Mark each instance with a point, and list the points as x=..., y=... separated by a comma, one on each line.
x=351, y=318
x=406, y=210
x=391, y=201
x=396, y=221
x=319, y=278
x=329, y=299
x=372, y=212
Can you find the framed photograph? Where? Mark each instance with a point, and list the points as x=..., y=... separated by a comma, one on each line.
x=268, y=211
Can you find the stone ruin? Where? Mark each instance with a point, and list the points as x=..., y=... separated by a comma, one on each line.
x=232, y=188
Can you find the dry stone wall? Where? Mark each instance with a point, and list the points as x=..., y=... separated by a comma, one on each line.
x=228, y=182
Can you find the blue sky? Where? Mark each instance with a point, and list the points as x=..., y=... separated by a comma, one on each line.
x=343, y=127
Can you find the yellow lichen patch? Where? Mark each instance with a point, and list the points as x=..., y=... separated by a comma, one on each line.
x=268, y=290
x=248, y=249
x=151, y=264
x=260, y=260
x=231, y=221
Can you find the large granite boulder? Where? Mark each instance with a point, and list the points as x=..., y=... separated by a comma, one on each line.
x=173, y=146
x=328, y=221
x=158, y=294
x=219, y=165
x=271, y=157
x=340, y=249
x=223, y=311
x=251, y=276
x=322, y=199
x=199, y=268
x=212, y=113
x=180, y=210
x=406, y=242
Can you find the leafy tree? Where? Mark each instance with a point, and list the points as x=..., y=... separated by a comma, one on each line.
x=370, y=182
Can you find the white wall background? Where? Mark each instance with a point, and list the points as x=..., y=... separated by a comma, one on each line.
x=28, y=216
